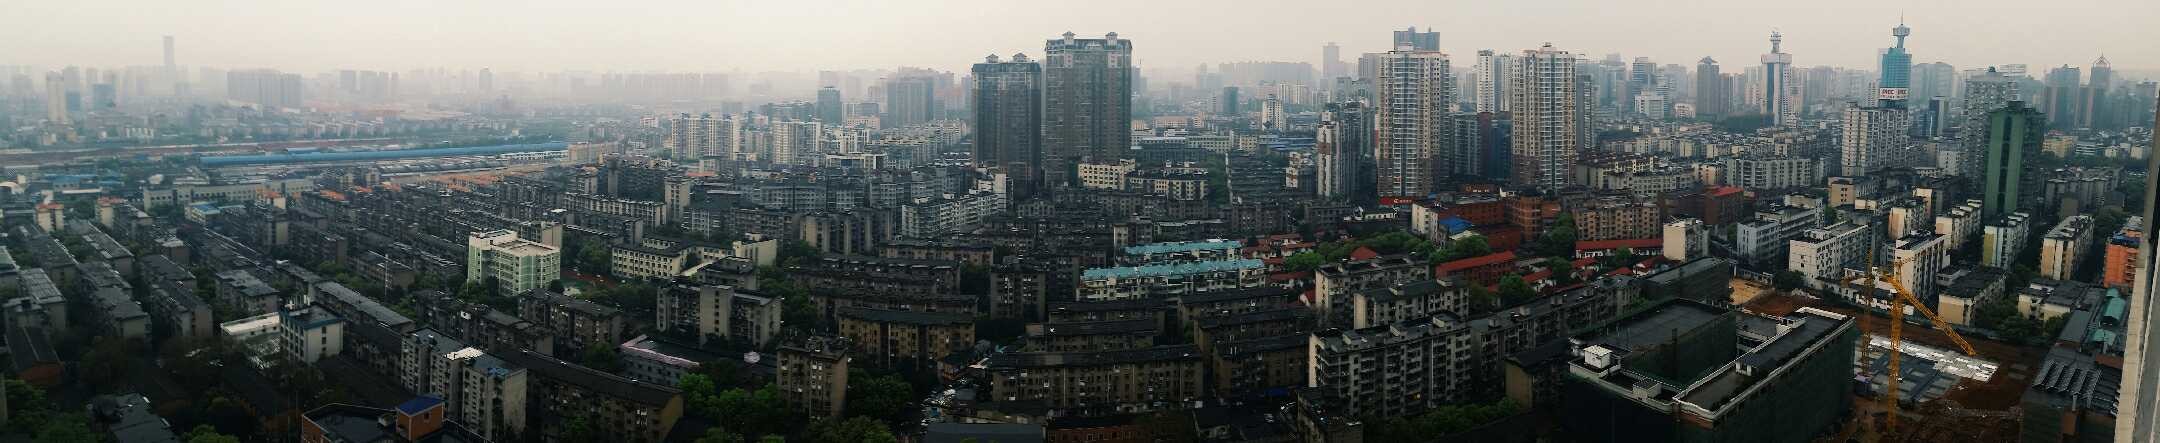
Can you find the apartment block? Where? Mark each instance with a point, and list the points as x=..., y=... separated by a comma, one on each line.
x=1127, y=381
x=888, y=338
x=576, y=323
x=517, y=265
x=2064, y=245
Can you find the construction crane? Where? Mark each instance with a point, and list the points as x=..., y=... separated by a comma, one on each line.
x=1897, y=323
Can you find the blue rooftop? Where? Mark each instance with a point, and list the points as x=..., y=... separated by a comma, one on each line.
x=1183, y=246
x=1455, y=225
x=378, y=155
x=1172, y=269
x=418, y=404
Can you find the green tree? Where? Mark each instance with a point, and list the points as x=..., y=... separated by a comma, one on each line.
x=208, y=434
x=851, y=430
x=1513, y=290
x=1563, y=271
x=796, y=253
x=717, y=435
x=1560, y=240
x=1439, y=422
x=882, y=397
x=108, y=363
x=1303, y=261
x=1466, y=247
x=1787, y=280
x=67, y=428
x=601, y=358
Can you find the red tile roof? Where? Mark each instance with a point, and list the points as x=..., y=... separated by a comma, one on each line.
x=1473, y=262
x=1722, y=191
x=1363, y=253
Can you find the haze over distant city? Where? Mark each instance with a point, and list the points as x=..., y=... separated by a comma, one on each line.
x=1169, y=37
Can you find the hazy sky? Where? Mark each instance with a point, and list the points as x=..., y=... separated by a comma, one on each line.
x=761, y=35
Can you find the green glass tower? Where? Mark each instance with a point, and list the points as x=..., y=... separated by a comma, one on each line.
x=2013, y=133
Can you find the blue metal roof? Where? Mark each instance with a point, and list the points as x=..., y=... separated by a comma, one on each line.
x=378, y=155
x=418, y=404
x=1455, y=225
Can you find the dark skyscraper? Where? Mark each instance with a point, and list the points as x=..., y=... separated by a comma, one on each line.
x=1087, y=102
x=1709, y=90
x=2059, y=95
x=1229, y=101
x=1417, y=41
x=2013, y=133
x=1893, y=88
x=829, y=107
x=1008, y=120
x=909, y=101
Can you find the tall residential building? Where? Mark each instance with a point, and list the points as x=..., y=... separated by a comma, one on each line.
x=518, y=265
x=2140, y=395
x=1931, y=80
x=910, y=101
x=266, y=87
x=1549, y=112
x=1781, y=95
x=704, y=135
x=1896, y=81
x=1642, y=77
x=1710, y=90
x=1984, y=93
x=1418, y=41
x=1491, y=76
x=2013, y=133
x=2058, y=95
x=1410, y=104
x=829, y=107
x=2092, y=100
x=1872, y=135
x=794, y=143
x=56, y=98
x=1087, y=102
x=1343, y=141
x=1008, y=120
x=1229, y=101
x=1331, y=64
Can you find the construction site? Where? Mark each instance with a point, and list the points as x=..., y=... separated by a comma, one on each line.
x=1945, y=396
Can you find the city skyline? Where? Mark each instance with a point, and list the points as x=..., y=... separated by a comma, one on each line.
x=474, y=35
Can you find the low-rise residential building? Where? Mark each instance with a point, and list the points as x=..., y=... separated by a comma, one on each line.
x=2122, y=251
x=1823, y=254
x=1761, y=241
x=423, y=419
x=1132, y=380
x=1333, y=284
x=888, y=338
x=2003, y=238
x=258, y=338
x=1170, y=279
x=309, y=334
x=712, y=312
x=2064, y=246
x=629, y=410
x=812, y=375
x=1093, y=335
x=38, y=302
x=1249, y=366
x=661, y=361
x=577, y=324
x=1959, y=224
x=1618, y=218
x=515, y=264
x=1405, y=301
x=1678, y=371
x=1960, y=300
x=487, y=393
x=949, y=214
x=242, y=291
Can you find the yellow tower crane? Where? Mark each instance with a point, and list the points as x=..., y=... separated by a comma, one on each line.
x=1898, y=303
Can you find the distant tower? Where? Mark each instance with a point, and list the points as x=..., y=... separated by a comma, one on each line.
x=1549, y=112
x=1087, y=102
x=1411, y=108
x=1331, y=64
x=1008, y=120
x=829, y=107
x=1780, y=96
x=1490, y=78
x=170, y=67
x=1896, y=71
x=1417, y=41
x=1709, y=89
x=1642, y=77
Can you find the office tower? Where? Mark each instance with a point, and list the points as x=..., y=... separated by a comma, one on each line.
x=487, y=81
x=2013, y=133
x=1891, y=91
x=829, y=108
x=1411, y=103
x=909, y=101
x=1229, y=101
x=1936, y=79
x=1340, y=141
x=1933, y=120
x=2058, y=96
x=1548, y=118
x=1710, y=88
x=1087, y=102
x=2140, y=394
x=56, y=108
x=1871, y=135
x=1417, y=41
x=1008, y=120
x=2092, y=104
x=1781, y=98
x=1642, y=77
x=266, y=87
x=1490, y=79
x=1331, y=64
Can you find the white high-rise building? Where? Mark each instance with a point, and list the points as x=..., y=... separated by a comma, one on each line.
x=1411, y=102
x=1548, y=115
x=1871, y=135
x=1492, y=75
x=56, y=98
x=1781, y=95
